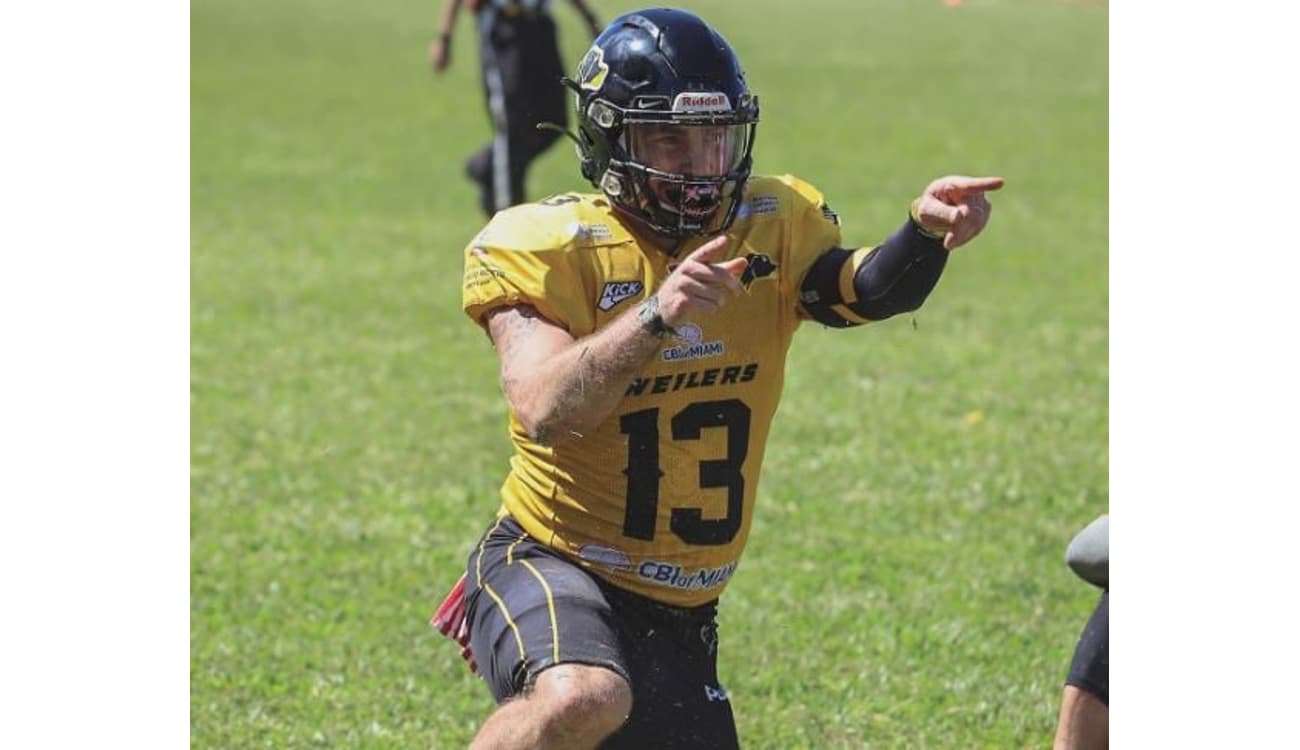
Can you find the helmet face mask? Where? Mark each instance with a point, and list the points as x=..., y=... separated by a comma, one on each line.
x=682, y=175
x=702, y=151
x=666, y=122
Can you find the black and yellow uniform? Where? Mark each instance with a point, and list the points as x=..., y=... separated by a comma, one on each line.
x=535, y=608
x=611, y=548
x=658, y=499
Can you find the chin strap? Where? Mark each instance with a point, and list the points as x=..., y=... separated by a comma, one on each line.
x=557, y=129
x=587, y=164
x=571, y=85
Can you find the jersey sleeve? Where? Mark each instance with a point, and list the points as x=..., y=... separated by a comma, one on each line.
x=521, y=258
x=814, y=229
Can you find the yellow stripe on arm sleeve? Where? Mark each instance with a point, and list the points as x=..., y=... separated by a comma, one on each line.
x=844, y=312
x=850, y=267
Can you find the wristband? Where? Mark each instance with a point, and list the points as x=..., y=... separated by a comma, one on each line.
x=652, y=322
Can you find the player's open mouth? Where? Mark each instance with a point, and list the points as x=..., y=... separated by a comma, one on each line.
x=695, y=202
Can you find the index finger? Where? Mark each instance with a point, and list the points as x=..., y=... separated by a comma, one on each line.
x=708, y=251
x=974, y=184
x=732, y=270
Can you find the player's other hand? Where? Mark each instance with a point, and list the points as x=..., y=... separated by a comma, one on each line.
x=956, y=207
x=700, y=286
x=440, y=53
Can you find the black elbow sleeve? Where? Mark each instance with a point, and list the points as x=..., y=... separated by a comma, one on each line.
x=845, y=288
x=897, y=276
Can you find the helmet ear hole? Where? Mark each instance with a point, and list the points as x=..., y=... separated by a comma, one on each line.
x=603, y=115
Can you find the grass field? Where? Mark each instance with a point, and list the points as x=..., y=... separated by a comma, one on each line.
x=904, y=584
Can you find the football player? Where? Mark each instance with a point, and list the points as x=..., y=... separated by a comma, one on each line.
x=519, y=55
x=642, y=332
x=1084, y=719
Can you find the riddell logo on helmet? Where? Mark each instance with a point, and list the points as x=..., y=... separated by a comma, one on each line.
x=702, y=102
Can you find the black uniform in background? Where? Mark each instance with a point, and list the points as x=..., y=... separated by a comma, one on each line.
x=521, y=64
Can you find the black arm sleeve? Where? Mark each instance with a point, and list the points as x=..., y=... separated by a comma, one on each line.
x=894, y=278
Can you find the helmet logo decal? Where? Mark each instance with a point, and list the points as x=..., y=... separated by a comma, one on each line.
x=593, y=69
x=702, y=102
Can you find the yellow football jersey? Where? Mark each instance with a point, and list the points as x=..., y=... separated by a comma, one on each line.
x=658, y=499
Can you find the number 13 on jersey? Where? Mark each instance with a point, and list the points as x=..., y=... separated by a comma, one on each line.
x=643, y=471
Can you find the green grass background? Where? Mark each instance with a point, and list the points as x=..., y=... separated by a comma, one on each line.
x=904, y=584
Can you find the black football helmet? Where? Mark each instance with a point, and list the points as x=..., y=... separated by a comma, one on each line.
x=666, y=123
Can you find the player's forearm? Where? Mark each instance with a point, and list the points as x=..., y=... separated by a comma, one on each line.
x=447, y=24
x=848, y=287
x=575, y=389
x=898, y=276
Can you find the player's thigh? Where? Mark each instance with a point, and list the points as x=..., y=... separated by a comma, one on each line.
x=677, y=700
x=531, y=609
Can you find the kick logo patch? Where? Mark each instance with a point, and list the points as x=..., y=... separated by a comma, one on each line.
x=617, y=291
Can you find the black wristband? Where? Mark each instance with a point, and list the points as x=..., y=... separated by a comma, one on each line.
x=652, y=322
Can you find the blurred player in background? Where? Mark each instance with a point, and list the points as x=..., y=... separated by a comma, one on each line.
x=520, y=57
x=642, y=333
x=1084, y=721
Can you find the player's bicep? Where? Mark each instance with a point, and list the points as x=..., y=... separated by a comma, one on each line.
x=524, y=341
